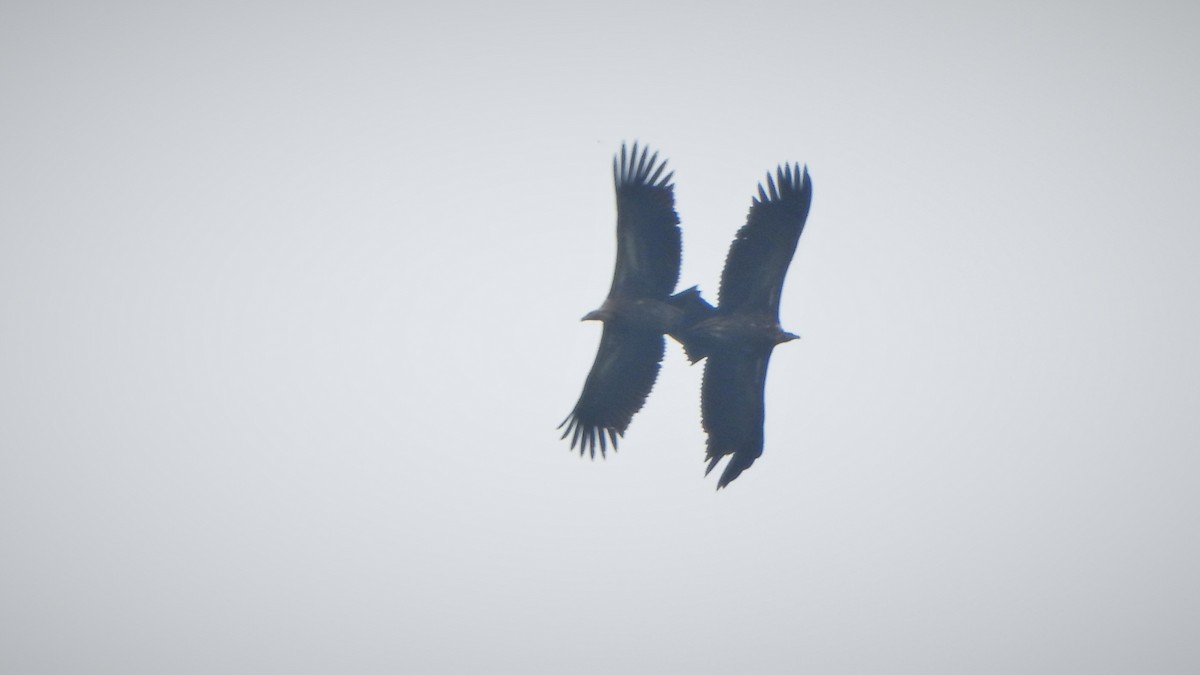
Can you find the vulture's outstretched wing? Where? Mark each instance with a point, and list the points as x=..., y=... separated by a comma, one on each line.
x=626, y=366
x=648, y=240
x=760, y=254
x=731, y=406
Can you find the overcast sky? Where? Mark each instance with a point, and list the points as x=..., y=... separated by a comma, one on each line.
x=289, y=310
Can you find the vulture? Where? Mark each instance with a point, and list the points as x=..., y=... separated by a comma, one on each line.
x=640, y=309
x=737, y=339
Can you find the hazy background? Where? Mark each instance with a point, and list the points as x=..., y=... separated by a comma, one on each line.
x=289, y=301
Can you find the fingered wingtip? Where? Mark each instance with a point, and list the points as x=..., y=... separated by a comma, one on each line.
x=790, y=176
x=636, y=165
x=589, y=437
x=789, y=183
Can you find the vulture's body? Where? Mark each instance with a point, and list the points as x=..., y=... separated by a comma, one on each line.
x=738, y=338
x=640, y=308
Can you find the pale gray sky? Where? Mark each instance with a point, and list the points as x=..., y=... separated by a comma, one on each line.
x=289, y=301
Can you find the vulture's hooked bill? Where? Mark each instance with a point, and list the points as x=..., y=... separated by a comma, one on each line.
x=736, y=337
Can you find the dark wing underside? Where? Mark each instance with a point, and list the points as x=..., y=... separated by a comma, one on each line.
x=732, y=408
x=620, y=380
x=760, y=254
x=648, y=240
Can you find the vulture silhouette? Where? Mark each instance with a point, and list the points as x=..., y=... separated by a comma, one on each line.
x=639, y=310
x=738, y=338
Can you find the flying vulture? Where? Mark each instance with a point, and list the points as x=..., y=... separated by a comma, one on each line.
x=739, y=337
x=640, y=309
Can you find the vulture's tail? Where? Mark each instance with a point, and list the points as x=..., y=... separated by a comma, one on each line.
x=695, y=309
